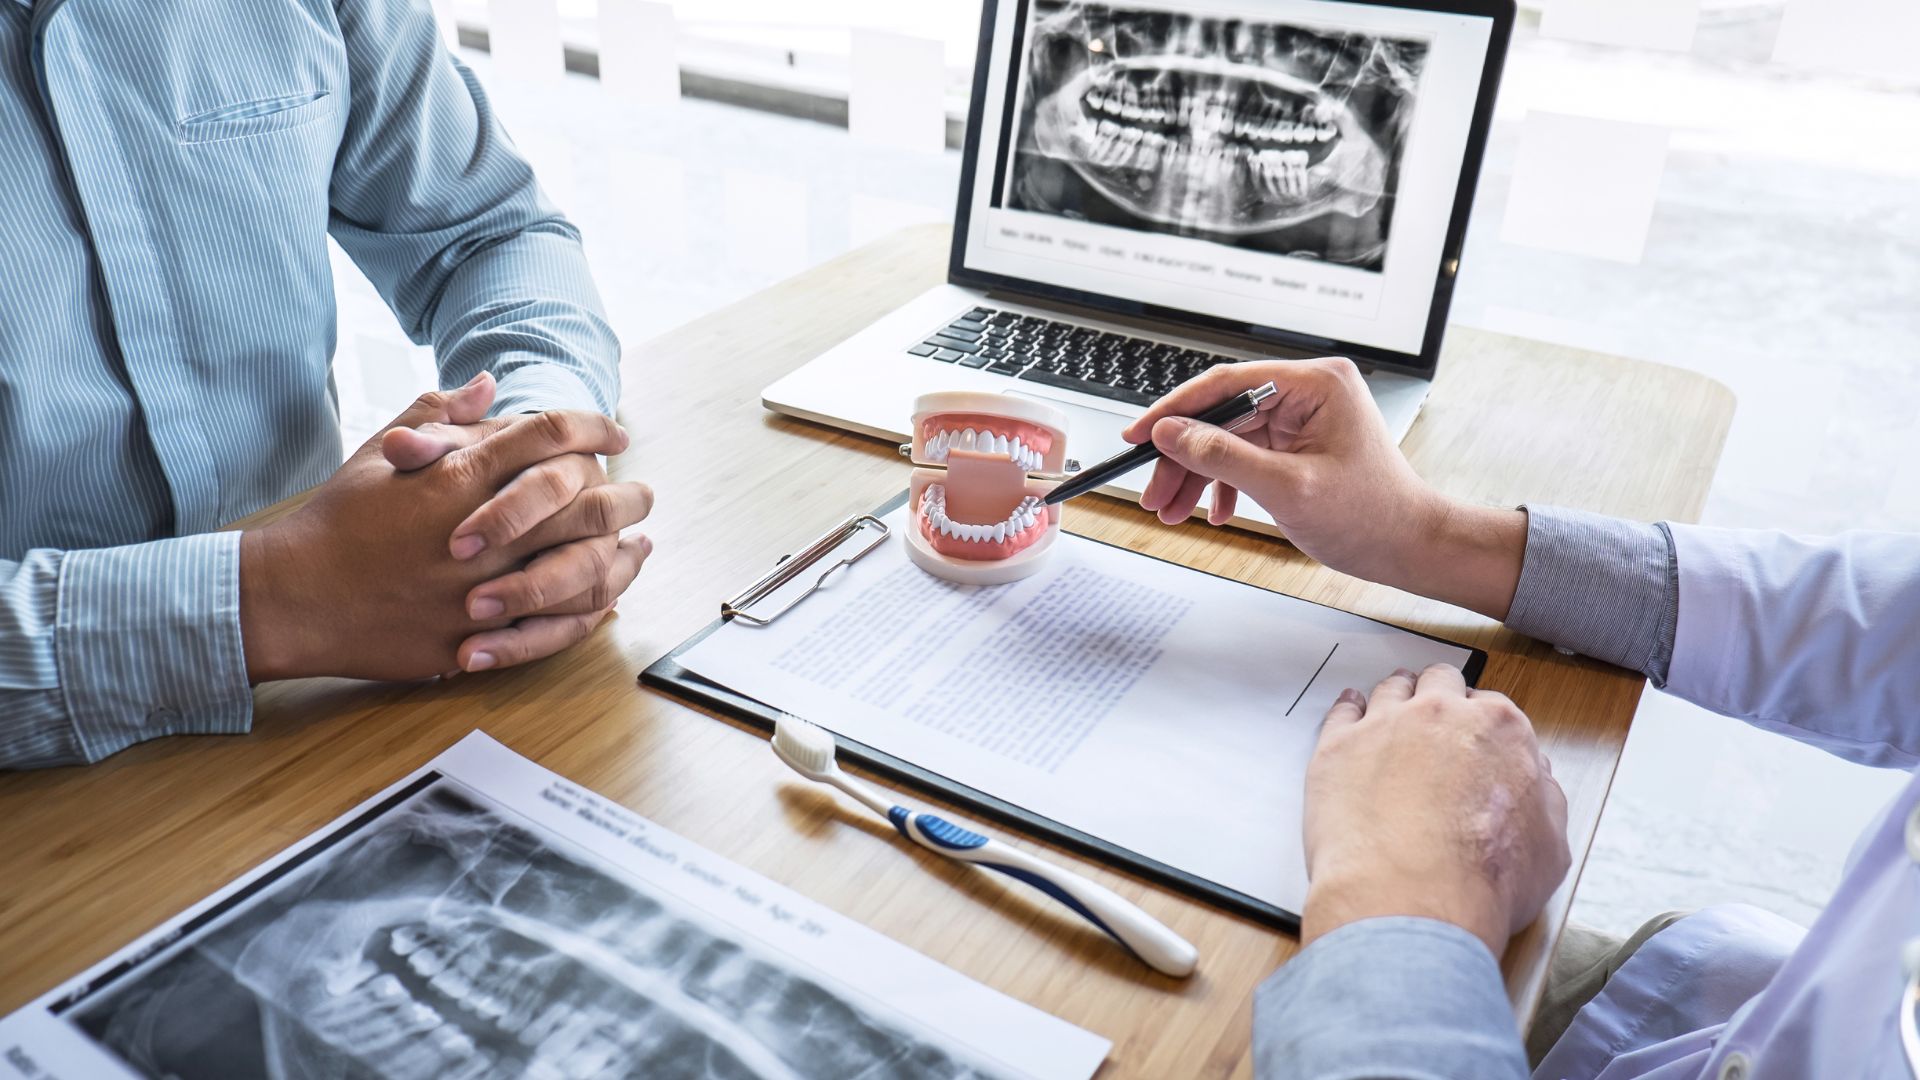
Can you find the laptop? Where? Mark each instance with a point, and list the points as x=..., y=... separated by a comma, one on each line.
x=1155, y=187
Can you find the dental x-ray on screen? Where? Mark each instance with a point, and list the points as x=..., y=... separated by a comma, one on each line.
x=1266, y=136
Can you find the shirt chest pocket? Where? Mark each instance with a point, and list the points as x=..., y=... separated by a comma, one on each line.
x=257, y=117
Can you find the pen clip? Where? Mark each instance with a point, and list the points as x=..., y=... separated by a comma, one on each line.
x=1254, y=397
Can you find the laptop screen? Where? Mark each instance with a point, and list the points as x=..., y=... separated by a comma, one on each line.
x=1294, y=169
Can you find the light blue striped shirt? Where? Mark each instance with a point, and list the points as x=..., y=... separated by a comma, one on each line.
x=169, y=172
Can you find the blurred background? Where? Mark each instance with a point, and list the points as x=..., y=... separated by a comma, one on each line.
x=1723, y=186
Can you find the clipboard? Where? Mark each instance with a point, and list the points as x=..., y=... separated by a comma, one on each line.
x=800, y=575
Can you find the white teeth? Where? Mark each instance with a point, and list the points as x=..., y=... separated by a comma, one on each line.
x=933, y=506
x=427, y=962
x=937, y=449
x=346, y=978
x=405, y=939
x=387, y=988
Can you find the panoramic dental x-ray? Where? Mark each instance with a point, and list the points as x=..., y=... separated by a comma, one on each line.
x=1265, y=136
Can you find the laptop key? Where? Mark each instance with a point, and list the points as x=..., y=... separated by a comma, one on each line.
x=924, y=350
x=948, y=355
x=973, y=361
x=1085, y=386
x=957, y=345
x=963, y=335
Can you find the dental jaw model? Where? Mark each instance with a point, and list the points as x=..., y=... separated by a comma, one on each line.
x=977, y=517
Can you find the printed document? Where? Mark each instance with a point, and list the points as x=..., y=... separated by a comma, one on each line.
x=1158, y=708
x=485, y=918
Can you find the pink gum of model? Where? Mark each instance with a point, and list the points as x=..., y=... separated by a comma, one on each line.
x=976, y=513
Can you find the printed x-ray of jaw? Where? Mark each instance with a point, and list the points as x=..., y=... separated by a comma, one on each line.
x=1263, y=136
x=447, y=942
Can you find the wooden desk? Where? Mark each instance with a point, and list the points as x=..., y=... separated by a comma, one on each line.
x=95, y=856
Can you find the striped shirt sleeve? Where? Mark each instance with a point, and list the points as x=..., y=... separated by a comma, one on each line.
x=1393, y=998
x=1601, y=587
x=104, y=648
x=444, y=216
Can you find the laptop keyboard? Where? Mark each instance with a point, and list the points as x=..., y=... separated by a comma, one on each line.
x=1092, y=361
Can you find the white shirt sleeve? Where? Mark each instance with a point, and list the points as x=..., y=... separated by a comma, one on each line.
x=1817, y=639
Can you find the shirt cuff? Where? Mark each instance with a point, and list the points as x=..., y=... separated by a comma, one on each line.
x=1599, y=586
x=1397, y=997
x=541, y=387
x=148, y=642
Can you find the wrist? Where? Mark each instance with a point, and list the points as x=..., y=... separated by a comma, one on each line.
x=271, y=631
x=1336, y=900
x=1466, y=555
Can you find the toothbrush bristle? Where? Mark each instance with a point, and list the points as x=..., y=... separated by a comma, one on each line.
x=802, y=745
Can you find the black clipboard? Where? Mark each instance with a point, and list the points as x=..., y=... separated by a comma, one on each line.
x=667, y=675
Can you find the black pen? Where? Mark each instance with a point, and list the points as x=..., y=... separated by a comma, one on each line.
x=1229, y=414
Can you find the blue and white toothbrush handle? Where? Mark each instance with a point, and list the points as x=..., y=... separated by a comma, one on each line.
x=1142, y=934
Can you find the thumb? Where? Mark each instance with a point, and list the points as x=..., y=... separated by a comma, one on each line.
x=462, y=406
x=471, y=402
x=407, y=446
x=1216, y=454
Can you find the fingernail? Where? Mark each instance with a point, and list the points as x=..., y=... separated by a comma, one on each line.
x=480, y=661
x=1404, y=673
x=466, y=547
x=486, y=607
x=646, y=547
x=475, y=381
x=1352, y=697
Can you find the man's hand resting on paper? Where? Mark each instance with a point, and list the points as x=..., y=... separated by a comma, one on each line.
x=1318, y=458
x=377, y=574
x=1426, y=798
x=1433, y=800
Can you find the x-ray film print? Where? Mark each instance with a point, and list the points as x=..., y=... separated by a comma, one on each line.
x=1264, y=136
x=450, y=940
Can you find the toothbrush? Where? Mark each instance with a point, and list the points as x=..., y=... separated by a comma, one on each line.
x=809, y=751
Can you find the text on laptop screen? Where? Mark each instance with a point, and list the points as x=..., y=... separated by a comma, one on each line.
x=1287, y=164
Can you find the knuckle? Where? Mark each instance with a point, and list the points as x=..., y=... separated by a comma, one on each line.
x=600, y=559
x=601, y=510
x=554, y=483
x=1208, y=446
x=602, y=594
x=508, y=520
x=556, y=427
x=533, y=593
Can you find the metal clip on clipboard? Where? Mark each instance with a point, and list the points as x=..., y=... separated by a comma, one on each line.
x=791, y=567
